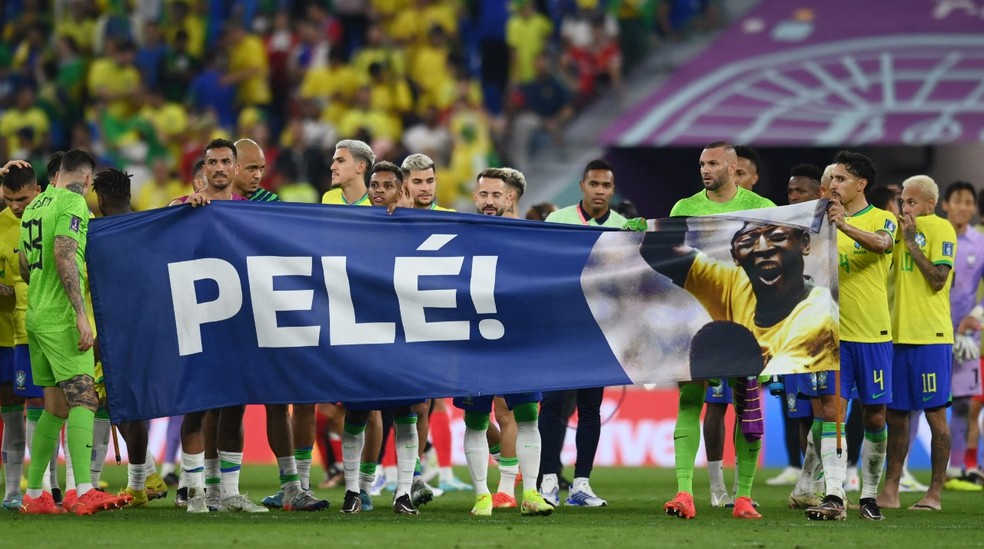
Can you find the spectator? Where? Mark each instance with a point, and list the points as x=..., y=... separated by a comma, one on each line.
x=545, y=104
x=429, y=137
x=527, y=33
x=161, y=189
x=114, y=80
x=23, y=128
x=180, y=68
x=597, y=58
x=249, y=69
x=151, y=55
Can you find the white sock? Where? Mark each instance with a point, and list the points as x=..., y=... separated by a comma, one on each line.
x=528, y=452
x=150, y=466
x=100, y=448
x=12, y=449
x=167, y=469
x=304, y=472
x=193, y=467
x=136, y=476
x=507, y=478
x=352, y=446
x=213, y=475
x=289, y=482
x=811, y=468
x=445, y=474
x=872, y=465
x=715, y=471
x=406, y=456
x=69, y=471
x=366, y=480
x=834, y=466
x=230, y=464
x=477, y=456
x=83, y=488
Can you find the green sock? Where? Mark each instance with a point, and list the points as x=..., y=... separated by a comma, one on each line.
x=46, y=435
x=495, y=448
x=79, y=435
x=367, y=468
x=686, y=434
x=746, y=462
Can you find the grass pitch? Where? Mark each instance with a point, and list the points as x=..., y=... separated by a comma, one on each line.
x=634, y=518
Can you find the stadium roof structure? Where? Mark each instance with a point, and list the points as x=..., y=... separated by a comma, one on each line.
x=831, y=73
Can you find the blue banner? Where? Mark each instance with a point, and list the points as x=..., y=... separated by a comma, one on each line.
x=237, y=303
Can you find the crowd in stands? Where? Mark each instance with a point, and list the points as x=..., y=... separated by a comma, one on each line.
x=144, y=84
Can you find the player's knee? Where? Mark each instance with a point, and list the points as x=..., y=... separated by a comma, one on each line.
x=526, y=413
x=960, y=407
x=477, y=421
x=80, y=393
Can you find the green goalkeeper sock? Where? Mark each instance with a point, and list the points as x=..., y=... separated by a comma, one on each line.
x=686, y=434
x=746, y=461
x=46, y=435
x=79, y=435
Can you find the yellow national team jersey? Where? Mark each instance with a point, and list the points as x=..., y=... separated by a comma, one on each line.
x=11, y=331
x=437, y=208
x=864, y=312
x=920, y=315
x=335, y=196
x=806, y=341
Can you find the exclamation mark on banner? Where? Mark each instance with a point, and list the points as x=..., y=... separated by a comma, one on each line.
x=483, y=295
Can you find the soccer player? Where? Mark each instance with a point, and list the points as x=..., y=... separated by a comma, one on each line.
x=19, y=188
x=112, y=189
x=516, y=182
x=420, y=181
x=220, y=167
x=960, y=205
x=764, y=290
x=594, y=209
x=721, y=193
x=53, y=238
x=492, y=196
x=350, y=166
x=865, y=236
x=925, y=248
x=419, y=190
x=252, y=164
x=292, y=496
x=718, y=167
x=385, y=183
x=804, y=183
x=747, y=167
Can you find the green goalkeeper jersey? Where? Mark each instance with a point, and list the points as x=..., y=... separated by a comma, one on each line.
x=56, y=212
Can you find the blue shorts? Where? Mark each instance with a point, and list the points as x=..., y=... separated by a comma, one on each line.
x=796, y=405
x=867, y=367
x=372, y=405
x=719, y=394
x=23, y=378
x=921, y=376
x=6, y=364
x=817, y=384
x=484, y=403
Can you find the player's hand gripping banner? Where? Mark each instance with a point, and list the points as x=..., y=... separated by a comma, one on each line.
x=235, y=303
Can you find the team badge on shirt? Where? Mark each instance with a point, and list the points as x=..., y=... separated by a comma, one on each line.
x=74, y=224
x=948, y=249
x=920, y=240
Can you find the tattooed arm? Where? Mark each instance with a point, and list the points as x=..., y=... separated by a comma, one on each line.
x=68, y=273
x=25, y=270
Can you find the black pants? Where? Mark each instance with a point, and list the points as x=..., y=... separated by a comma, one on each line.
x=553, y=427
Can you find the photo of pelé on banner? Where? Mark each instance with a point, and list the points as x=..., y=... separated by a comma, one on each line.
x=745, y=294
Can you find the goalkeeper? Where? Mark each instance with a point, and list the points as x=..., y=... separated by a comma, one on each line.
x=960, y=205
